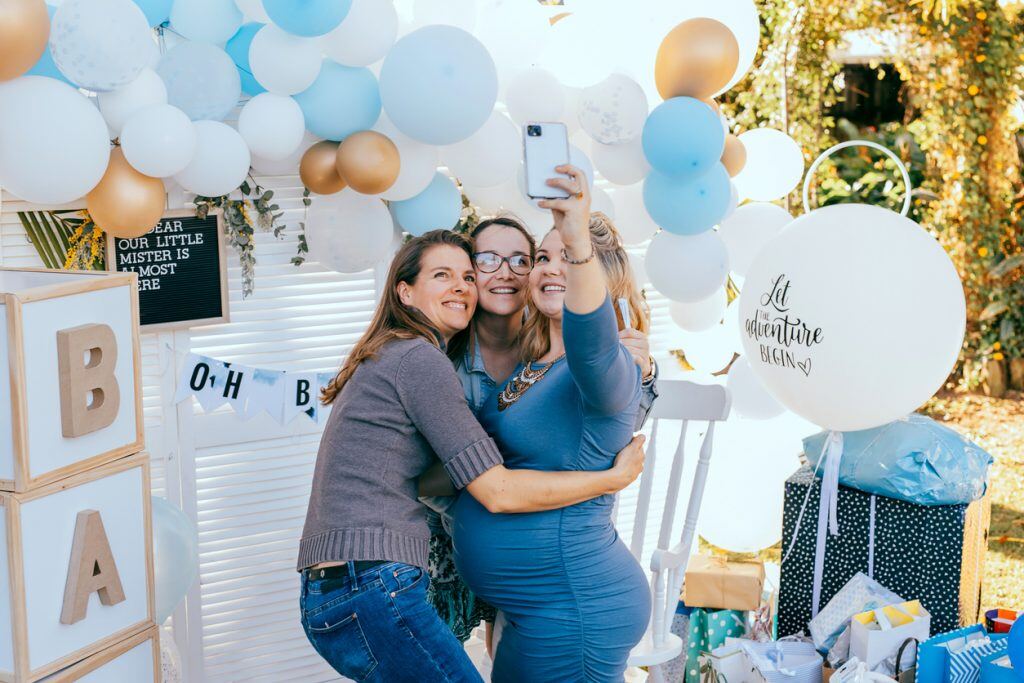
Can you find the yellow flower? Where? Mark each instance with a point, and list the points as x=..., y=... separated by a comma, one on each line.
x=982, y=15
x=972, y=90
x=982, y=140
x=923, y=30
x=982, y=252
x=997, y=346
x=980, y=58
x=997, y=356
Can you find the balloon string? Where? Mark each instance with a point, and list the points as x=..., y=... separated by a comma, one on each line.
x=166, y=27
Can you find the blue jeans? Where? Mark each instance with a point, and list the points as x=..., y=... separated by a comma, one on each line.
x=378, y=626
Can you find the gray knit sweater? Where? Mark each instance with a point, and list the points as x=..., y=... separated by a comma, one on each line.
x=394, y=416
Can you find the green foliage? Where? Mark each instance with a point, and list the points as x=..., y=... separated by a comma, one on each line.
x=67, y=240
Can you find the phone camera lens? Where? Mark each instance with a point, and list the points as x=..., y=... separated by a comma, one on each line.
x=533, y=131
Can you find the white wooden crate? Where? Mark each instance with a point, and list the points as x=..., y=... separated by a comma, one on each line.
x=39, y=531
x=133, y=660
x=54, y=422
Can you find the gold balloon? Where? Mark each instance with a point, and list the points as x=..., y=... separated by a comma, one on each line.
x=24, y=30
x=126, y=203
x=696, y=59
x=734, y=156
x=714, y=105
x=368, y=161
x=318, y=168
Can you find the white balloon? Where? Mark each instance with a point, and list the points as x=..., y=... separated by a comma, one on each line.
x=514, y=32
x=752, y=460
x=748, y=229
x=207, y=21
x=201, y=80
x=687, y=268
x=510, y=197
x=774, y=165
x=159, y=141
x=118, y=106
x=253, y=11
x=749, y=396
x=572, y=54
x=613, y=111
x=708, y=351
x=579, y=159
x=348, y=232
x=460, y=13
x=622, y=164
x=853, y=316
x=282, y=63
x=634, y=223
x=700, y=315
x=601, y=202
x=365, y=34
x=571, y=114
x=221, y=161
x=54, y=145
x=734, y=200
x=489, y=156
x=418, y=162
x=535, y=95
x=101, y=45
x=271, y=125
x=287, y=166
x=639, y=270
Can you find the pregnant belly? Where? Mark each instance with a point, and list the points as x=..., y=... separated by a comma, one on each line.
x=545, y=561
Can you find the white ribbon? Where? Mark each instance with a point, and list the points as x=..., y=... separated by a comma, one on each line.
x=828, y=509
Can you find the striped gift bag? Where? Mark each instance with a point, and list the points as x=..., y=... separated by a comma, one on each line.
x=965, y=664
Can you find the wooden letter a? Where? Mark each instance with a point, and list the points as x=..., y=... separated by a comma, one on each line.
x=92, y=569
x=79, y=379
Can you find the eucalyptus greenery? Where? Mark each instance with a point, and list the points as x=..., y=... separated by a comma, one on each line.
x=240, y=224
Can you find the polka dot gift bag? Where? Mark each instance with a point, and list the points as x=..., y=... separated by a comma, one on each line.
x=708, y=630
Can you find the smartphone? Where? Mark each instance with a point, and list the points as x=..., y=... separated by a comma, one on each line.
x=545, y=146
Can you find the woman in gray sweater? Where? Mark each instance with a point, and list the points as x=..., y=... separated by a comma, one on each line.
x=398, y=405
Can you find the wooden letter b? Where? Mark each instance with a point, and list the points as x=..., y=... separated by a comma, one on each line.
x=92, y=569
x=80, y=378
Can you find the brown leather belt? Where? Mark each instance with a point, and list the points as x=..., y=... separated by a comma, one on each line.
x=341, y=570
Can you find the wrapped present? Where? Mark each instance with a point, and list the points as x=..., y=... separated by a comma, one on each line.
x=784, y=661
x=720, y=584
x=708, y=630
x=1000, y=620
x=859, y=594
x=878, y=634
x=934, y=554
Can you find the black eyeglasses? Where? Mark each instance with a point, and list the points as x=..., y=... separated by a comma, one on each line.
x=490, y=262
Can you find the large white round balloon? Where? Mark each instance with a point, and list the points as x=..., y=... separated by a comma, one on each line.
x=287, y=166
x=534, y=95
x=752, y=460
x=636, y=264
x=118, y=106
x=514, y=32
x=700, y=315
x=634, y=223
x=750, y=398
x=708, y=351
x=687, y=268
x=571, y=52
x=748, y=229
x=489, y=156
x=853, y=316
x=101, y=44
x=602, y=202
x=458, y=13
x=622, y=164
x=206, y=21
x=271, y=125
x=509, y=198
x=774, y=165
x=282, y=63
x=253, y=11
x=159, y=141
x=613, y=111
x=365, y=34
x=201, y=80
x=418, y=162
x=54, y=144
x=221, y=161
x=348, y=232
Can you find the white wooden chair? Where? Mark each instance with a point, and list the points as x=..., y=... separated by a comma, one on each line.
x=681, y=401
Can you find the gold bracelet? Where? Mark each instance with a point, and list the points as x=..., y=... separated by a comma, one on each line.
x=565, y=257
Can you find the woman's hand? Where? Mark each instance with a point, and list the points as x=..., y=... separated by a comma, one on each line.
x=639, y=347
x=629, y=463
x=571, y=215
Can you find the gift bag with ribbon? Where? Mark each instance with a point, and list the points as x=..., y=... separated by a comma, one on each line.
x=720, y=584
x=933, y=654
x=708, y=630
x=860, y=593
x=965, y=662
x=784, y=661
x=877, y=634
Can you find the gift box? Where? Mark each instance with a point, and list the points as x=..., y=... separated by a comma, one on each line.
x=720, y=584
x=784, y=661
x=934, y=554
x=709, y=630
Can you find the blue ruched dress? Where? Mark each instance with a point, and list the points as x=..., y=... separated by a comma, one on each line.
x=575, y=600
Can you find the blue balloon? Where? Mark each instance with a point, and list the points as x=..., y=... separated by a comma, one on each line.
x=175, y=556
x=688, y=206
x=156, y=11
x=438, y=85
x=1015, y=646
x=683, y=137
x=238, y=49
x=307, y=17
x=438, y=207
x=341, y=101
x=46, y=66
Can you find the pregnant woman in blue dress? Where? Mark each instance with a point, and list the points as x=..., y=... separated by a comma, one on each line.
x=574, y=599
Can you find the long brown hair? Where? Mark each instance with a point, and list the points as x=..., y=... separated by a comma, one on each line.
x=535, y=339
x=393, y=319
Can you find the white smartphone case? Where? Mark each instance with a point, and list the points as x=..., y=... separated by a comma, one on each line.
x=541, y=154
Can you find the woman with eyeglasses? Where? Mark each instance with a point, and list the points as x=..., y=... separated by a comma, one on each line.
x=485, y=355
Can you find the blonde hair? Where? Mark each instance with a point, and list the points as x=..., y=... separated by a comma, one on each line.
x=535, y=339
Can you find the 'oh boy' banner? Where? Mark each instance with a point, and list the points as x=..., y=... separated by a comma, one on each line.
x=251, y=391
